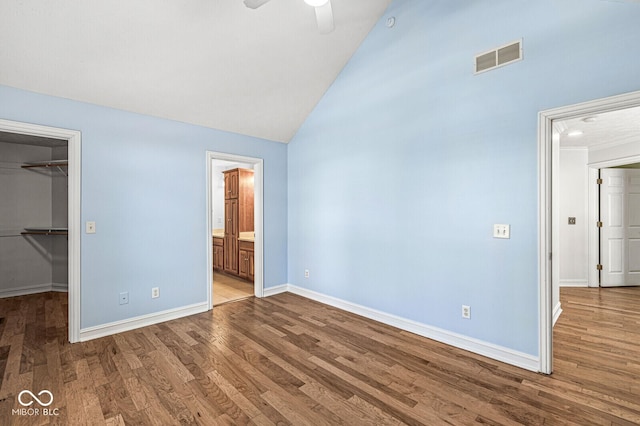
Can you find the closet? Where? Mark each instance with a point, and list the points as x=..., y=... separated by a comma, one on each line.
x=33, y=215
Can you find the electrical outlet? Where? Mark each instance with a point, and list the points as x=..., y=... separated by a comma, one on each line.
x=466, y=311
x=572, y=221
x=124, y=297
x=155, y=292
x=306, y=273
x=501, y=231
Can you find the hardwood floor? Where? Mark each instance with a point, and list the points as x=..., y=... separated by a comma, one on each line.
x=227, y=288
x=289, y=360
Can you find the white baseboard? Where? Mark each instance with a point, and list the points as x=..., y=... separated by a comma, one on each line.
x=61, y=287
x=500, y=353
x=108, y=329
x=272, y=291
x=557, y=310
x=573, y=283
x=31, y=289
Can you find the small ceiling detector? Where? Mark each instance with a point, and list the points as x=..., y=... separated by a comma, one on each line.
x=391, y=21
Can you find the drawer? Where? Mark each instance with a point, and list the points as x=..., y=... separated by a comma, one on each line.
x=245, y=245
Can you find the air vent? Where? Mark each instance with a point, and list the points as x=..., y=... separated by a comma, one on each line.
x=498, y=57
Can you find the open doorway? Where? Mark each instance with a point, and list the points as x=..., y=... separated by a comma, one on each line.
x=41, y=229
x=234, y=231
x=586, y=156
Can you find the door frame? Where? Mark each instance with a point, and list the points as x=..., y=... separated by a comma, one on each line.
x=545, y=166
x=74, y=140
x=258, y=206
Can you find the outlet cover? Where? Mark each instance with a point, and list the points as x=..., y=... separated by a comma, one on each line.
x=124, y=297
x=306, y=273
x=155, y=292
x=466, y=311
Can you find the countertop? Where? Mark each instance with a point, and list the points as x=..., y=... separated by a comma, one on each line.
x=244, y=236
x=247, y=236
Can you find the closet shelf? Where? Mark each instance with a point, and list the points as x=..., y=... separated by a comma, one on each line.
x=45, y=231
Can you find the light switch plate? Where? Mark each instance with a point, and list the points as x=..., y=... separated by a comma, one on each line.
x=90, y=227
x=501, y=230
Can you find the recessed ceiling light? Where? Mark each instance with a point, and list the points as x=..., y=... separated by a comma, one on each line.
x=574, y=133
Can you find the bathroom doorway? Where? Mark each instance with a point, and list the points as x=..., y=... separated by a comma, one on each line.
x=235, y=222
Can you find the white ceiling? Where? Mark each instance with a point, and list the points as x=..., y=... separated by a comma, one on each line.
x=214, y=63
x=614, y=127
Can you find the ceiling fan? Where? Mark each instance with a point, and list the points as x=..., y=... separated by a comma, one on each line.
x=324, y=13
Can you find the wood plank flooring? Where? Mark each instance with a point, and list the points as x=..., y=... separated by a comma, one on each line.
x=287, y=360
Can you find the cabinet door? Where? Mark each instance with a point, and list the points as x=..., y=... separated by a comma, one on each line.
x=243, y=269
x=231, y=236
x=230, y=255
x=231, y=218
x=250, y=267
x=218, y=258
x=231, y=184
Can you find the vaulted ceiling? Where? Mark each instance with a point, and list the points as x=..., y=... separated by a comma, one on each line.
x=214, y=63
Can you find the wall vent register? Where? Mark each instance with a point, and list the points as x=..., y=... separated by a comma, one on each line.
x=498, y=57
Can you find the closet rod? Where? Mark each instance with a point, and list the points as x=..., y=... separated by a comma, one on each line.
x=58, y=164
x=45, y=164
x=44, y=233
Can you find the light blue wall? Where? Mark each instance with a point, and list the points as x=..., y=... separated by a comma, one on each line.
x=397, y=177
x=394, y=181
x=143, y=183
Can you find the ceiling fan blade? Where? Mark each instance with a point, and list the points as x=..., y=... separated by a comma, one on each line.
x=254, y=4
x=324, y=16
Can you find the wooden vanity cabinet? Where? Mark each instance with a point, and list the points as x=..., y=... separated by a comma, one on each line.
x=245, y=260
x=218, y=254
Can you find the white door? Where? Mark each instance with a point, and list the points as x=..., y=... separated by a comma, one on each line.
x=620, y=232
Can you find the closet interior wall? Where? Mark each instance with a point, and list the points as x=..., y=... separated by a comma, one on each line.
x=32, y=198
